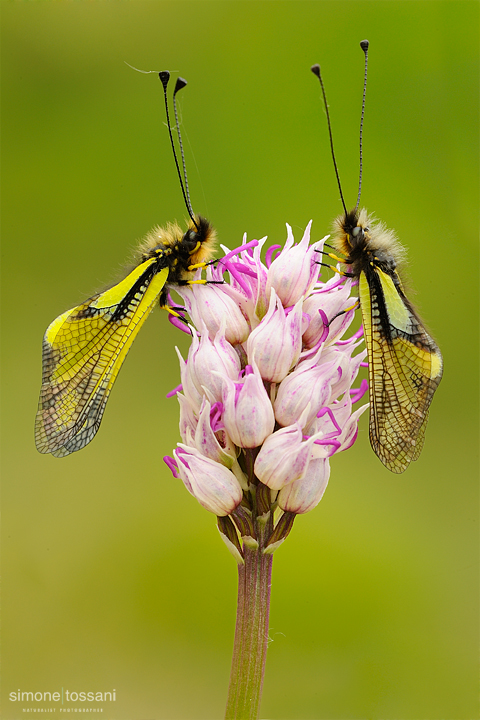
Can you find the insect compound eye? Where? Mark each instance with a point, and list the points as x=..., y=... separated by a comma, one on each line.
x=189, y=240
x=357, y=234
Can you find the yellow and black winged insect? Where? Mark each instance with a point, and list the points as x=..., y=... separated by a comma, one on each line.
x=404, y=363
x=84, y=348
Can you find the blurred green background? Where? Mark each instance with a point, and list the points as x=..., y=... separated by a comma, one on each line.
x=114, y=577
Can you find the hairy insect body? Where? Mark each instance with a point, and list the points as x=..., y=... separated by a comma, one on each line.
x=178, y=251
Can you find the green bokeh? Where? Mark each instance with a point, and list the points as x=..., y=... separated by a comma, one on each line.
x=114, y=577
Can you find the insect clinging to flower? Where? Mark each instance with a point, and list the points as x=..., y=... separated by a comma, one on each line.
x=84, y=348
x=404, y=363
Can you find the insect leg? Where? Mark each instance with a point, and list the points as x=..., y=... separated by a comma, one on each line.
x=205, y=264
x=345, y=261
x=198, y=265
x=202, y=282
x=340, y=272
x=342, y=312
x=175, y=311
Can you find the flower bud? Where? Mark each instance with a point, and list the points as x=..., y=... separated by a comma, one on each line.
x=215, y=487
x=309, y=383
x=209, y=304
x=276, y=343
x=294, y=271
x=248, y=414
x=248, y=279
x=304, y=494
x=208, y=356
x=283, y=457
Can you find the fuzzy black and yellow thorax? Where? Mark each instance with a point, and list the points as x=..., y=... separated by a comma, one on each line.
x=180, y=251
x=367, y=244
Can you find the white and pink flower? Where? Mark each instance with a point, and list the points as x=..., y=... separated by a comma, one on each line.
x=267, y=392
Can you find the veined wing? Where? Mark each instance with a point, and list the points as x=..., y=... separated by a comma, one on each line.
x=405, y=368
x=83, y=351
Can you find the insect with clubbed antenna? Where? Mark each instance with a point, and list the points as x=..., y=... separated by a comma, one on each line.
x=404, y=363
x=84, y=348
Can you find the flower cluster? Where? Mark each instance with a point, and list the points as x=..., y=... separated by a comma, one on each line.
x=266, y=390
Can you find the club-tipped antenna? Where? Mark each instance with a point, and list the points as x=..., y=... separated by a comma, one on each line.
x=316, y=71
x=165, y=77
x=364, y=45
x=181, y=82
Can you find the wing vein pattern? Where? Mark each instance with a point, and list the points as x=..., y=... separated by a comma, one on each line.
x=83, y=351
x=405, y=369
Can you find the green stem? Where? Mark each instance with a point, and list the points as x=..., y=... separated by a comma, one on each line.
x=251, y=632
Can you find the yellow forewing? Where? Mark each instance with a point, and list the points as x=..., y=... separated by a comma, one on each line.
x=405, y=367
x=83, y=350
x=398, y=314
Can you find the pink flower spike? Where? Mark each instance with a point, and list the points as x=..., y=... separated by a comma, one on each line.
x=349, y=370
x=325, y=332
x=349, y=434
x=331, y=284
x=245, y=270
x=268, y=380
x=190, y=390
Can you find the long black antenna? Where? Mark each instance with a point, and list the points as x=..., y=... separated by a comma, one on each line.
x=316, y=71
x=364, y=45
x=178, y=86
x=165, y=77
